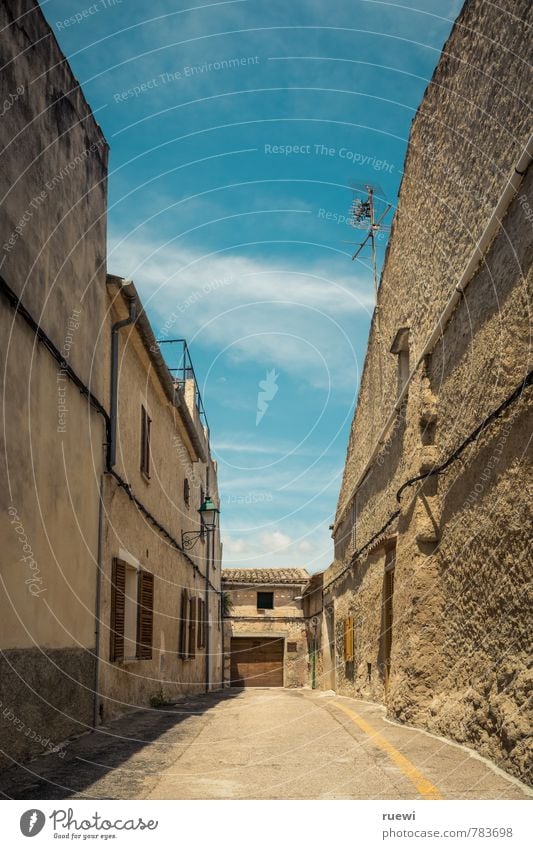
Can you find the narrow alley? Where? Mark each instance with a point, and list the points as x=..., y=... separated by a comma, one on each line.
x=261, y=744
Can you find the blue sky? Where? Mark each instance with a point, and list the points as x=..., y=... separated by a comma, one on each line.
x=235, y=128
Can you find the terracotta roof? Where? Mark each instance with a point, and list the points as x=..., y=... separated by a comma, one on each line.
x=266, y=576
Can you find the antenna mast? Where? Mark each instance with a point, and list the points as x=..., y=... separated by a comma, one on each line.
x=363, y=217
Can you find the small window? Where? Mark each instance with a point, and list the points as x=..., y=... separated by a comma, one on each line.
x=186, y=492
x=184, y=625
x=265, y=601
x=146, y=422
x=292, y=647
x=132, y=612
x=400, y=347
x=348, y=639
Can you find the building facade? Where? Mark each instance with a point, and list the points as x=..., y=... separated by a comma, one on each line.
x=53, y=181
x=425, y=603
x=105, y=603
x=160, y=606
x=265, y=633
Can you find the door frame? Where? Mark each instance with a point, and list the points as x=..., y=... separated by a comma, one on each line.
x=275, y=635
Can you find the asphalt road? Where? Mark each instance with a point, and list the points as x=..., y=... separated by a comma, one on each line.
x=260, y=744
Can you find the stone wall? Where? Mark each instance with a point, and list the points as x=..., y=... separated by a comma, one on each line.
x=460, y=627
x=286, y=620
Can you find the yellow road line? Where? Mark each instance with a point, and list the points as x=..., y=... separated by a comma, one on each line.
x=423, y=786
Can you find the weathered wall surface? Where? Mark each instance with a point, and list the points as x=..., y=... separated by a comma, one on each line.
x=53, y=185
x=461, y=627
x=132, y=537
x=285, y=620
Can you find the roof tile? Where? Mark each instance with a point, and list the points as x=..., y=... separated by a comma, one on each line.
x=266, y=576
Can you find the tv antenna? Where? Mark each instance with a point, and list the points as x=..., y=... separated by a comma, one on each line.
x=365, y=216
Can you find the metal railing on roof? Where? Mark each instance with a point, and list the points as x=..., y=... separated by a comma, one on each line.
x=184, y=371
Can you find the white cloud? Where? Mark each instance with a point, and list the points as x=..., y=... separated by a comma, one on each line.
x=253, y=310
x=276, y=540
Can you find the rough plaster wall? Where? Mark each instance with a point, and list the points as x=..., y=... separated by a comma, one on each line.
x=44, y=700
x=459, y=157
x=58, y=262
x=274, y=621
x=461, y=612
x=53, y=477
x=134, y=682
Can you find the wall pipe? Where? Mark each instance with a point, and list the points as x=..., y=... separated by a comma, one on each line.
x=488, y=234
x=96, y=701
x=112, y=447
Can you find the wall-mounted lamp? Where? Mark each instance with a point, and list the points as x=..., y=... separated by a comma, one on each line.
x=208, y=520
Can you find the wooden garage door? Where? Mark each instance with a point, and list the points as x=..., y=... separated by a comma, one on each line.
x=257, y=662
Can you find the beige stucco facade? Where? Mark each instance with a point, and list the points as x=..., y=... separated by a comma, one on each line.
x=179, y=449
x=53, y=180
x=432, y=577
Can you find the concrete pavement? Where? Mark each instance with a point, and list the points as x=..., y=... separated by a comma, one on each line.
x=261, y=744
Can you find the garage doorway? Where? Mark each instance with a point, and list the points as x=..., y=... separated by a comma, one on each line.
x=257, y=661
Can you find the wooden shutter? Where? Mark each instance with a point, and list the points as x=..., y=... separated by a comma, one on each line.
x=192, y=627
x=348, y=639
x=145, y=442
x=206, y=617
x=184, y=617
x=145, y=615
x=200, y=623
x=118, y=610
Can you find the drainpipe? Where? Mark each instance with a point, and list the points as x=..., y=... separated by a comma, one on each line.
x=110, y=462
x=97, y=605
x=493, y=224
x=112, y=449
x=207, y=615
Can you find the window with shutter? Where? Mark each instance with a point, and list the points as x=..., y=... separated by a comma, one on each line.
x=201, y=623
x=118, y=608
x=184, y=620
x=145, y=622
x=146, y=422
x=348, y=639
x=192, y=627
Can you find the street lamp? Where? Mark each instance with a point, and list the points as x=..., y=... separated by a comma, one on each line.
x=208, y=523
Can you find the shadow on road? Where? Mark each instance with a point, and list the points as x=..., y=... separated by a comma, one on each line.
x=149, y=736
